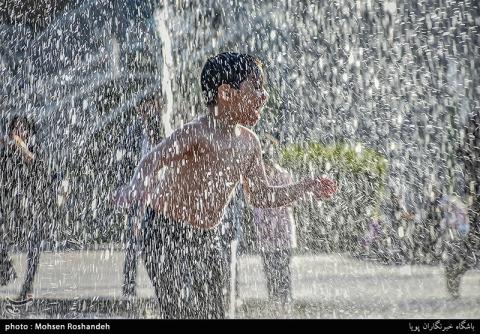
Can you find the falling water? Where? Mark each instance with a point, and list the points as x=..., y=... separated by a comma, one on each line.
x=162, y=19
x=397, y=78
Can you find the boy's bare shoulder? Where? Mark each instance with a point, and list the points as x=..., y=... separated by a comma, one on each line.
x=193, y=128
x=249, y=135
x=193, y=124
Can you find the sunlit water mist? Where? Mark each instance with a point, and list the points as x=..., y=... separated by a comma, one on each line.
x=162, y=19
x=397, y=77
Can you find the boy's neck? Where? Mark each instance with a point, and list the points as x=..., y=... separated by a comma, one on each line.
x=217, y=118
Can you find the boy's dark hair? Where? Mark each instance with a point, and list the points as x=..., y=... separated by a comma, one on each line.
x=227, y=68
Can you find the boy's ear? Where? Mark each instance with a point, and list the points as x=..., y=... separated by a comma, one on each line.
x=224, y=92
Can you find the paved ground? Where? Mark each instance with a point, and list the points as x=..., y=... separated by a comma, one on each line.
x=87, y=284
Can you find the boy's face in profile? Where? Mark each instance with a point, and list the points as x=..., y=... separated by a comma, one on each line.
x=248, y=100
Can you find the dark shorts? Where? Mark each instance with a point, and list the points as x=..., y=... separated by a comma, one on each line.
x=185, y=266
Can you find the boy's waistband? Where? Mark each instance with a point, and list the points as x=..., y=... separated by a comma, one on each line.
x=176, y=226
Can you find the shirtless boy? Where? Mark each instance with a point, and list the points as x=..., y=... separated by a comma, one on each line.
x=205, y=159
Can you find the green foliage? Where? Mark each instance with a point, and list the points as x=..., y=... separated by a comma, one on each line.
x=338, y=224
x=341, y=156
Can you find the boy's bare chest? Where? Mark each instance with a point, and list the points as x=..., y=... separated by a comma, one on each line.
x=224, y=149
x=227, y=156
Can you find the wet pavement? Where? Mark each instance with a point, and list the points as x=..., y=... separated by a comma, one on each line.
x=87, y=284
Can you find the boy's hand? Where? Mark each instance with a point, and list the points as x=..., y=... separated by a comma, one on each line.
x=323, y=188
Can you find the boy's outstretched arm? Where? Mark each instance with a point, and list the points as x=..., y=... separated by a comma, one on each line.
x=263, y=195
x=173, y=148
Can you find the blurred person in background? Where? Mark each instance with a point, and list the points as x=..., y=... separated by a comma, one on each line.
x=275, y=230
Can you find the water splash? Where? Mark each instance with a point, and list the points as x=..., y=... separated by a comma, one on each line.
x=162, y=19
